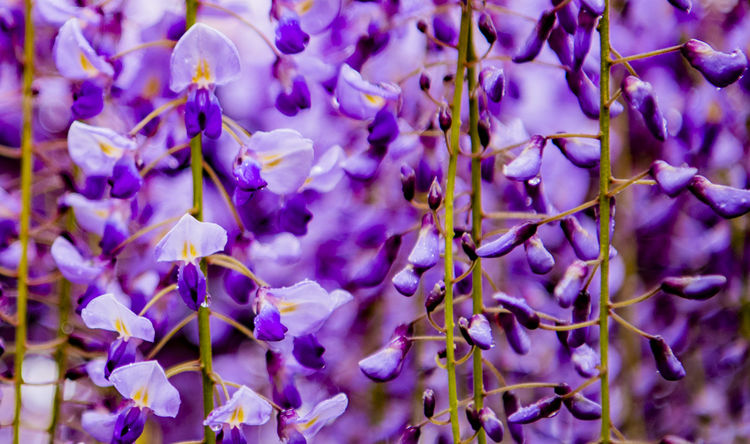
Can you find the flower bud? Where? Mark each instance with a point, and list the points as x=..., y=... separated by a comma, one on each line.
x=525, y=315
x=410, y=435
x=727, y=202
x=191, y=284
x=493, y=83
x=584, y=244
x=88, y=101
x=581, y=312
x=483, y=131
x=435, y=195
x=386, y=364
x=585, y=360
x=588, y=94
x=670, y=368
x=582, y=154
x=425, y=253
x=594, y=6
x=540, y=260
x=528, y=162
x=640, y=96
x=443, y=29
x=567, y=289
x=511, y=405
x=444, y=119
x=582, y=37
x=560, y=43
x=472, y=415
x=508, y=241
x=246, y=171
x=125, y=180
x=671, y=180
x=468, y=245
x=408, y=181
x=537, y=38
x=422, y=26
x=544, y=408
x=694, y=287
x=491, y=425
x=292, y=102
x=268, y=326
x=406, y=281
x=375, y=270
x=719, y=68
x=428, y=401
x=566, y=16
x=424, y=82
x=121, y=352
x=517, y=338
x=487, y=27
x=435, y=296
x=309, y=352
x=477, y=331
x=383, y=129
x=684, y=5
x=583, y=408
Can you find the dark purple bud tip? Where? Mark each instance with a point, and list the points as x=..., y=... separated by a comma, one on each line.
x=595, y=6
x=581, y=312
x=472, y=415
x=493, y=83
x=422, y=26
x=584, y=244
x=191, y=284
x=491, y=425
x=290, y=38
x=443, y=29
x=583, y=408
x=435, y=296
x=309, y=352
x=238, y=286
x=383, y=129
x=683, y=5
x=88, y=101
x=428, y=401
x=517, y=338
x=469, y=247
x=202, y=113
x=444, y=119
x=670, y=368
x=538, y=36
x=640, y=96
x=540, y=260
x=694, y=287
x=525, y=315
x=719, y=68
x=528, y=163
x=671, y=180
x=246, y=171
x=408, y=182
x=508, y=241
x=562, y=389
x=567, y=289
x=406, y=281
x=582, y=36
x=511, y=405
x=435, y=195
x=121, y=352
x=410, y=435
x=125, y=180
x=487, y=27
x=374, y=271
x=483, y=131
x=424, y=82
x=544, y=408
x=727, y=202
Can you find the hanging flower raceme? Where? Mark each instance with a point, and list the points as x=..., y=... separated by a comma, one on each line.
x=298, y=430
x=187, y=242
x=297, y=310
x=107, y=313
x=244, y=407
x=202, y=59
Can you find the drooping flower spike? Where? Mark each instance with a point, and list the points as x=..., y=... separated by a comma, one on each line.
x=202, y=59
x=146, y=384
x=244, y=407
x=74, y=57
x=107, y=313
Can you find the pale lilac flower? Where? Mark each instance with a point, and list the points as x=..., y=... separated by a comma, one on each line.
x=74, y=56
x=244, y=407
x=96, y=150
x=107, y=313
x=146, y=384
x=360, y=99
x=72, y=264
x=190, y=240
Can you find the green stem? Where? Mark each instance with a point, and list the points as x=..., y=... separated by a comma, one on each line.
x=204, y=313
x=646, y=55
x=476, y=222
x=604, y=199
x=26, y=173
x=450, y=185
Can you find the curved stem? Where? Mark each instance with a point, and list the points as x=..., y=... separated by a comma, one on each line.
x=163, y=292
x=604, y=200
x=156, y=113
x=162, y=42
x=644, y=55
x=169, y=335
x=636, y=300
x=453, y=150
x=25, y=222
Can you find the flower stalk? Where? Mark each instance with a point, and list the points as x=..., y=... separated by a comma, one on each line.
x=25, y=219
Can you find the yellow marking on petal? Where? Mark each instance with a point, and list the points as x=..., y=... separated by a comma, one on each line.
x=202, y=75
x=86, y=65
x=304, y=7
x=374, y=100
x=188, y=251
x=141, y=397
x=101, y=213
x=287, y=307
x=110, y=150
x=309, y=423
x=121, y=328
x=308, y=181
x=237, y=418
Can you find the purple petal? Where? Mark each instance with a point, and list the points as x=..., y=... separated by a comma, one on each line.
x=508, y=241
x=426, y=251
x=74, y=57
x=528, y=163
x=244, y=407
x=567, y=289
x=694, y=287
x=360, y=99
x=671, y=180
x=727, y=202
x=71, y=264
x=96, y=149
x=584, y=244
x=719, y=68
x=540, y=260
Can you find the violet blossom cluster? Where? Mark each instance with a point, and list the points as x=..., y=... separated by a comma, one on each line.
x=334, y=221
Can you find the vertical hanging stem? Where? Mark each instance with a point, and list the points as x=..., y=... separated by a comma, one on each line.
x=476, y=220
x=604, y=178
x=204, y=313
x=449, y=195
x=26, y=173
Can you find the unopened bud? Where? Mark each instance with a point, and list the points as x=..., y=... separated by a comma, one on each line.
x=408, y=182
x=444, y=119
x=487, y=28
x=428, y=401
x=424, y=82
x=435, y=195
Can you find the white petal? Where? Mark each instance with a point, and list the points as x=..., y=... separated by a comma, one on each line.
x=107, y=313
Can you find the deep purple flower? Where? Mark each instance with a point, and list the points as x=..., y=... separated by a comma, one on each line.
x=406, y=281
x=297, y=99
x=582, y=38
x=426, y=252
x=671, y=180
x=290, y=38
x=567, y=289
x=525, y=315
x=536, y=39
x=88, y=100
x=517, y=338
x=191, y=284
x=528, y=162
x=508, y=241
x=540, y=260
x=719, y=68
x=670, y=368
x=491, y=425
x=126, y=180
x=129, y=425
x=694, y=287
x=640, y=96
x=727, y=202
x=309, y=352
x=493, y=83
x=386, y=364
x=383, y=129
x=584, y=244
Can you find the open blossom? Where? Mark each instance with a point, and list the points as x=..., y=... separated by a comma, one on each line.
x=72, y=264
x=96, y=150
x=244, y=407
x=107, y=313
x=360, y=99
x=300, y=429
x=147, y=386
x=74, y=56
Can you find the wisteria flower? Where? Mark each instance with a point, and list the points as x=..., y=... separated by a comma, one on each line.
x=299, y=430
x=244, y=407
x=96, y=150
x=360, y=99
x=202, y=59
x=147, y=386
x=107, y=313
x=74, y=56
x=72, y=264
